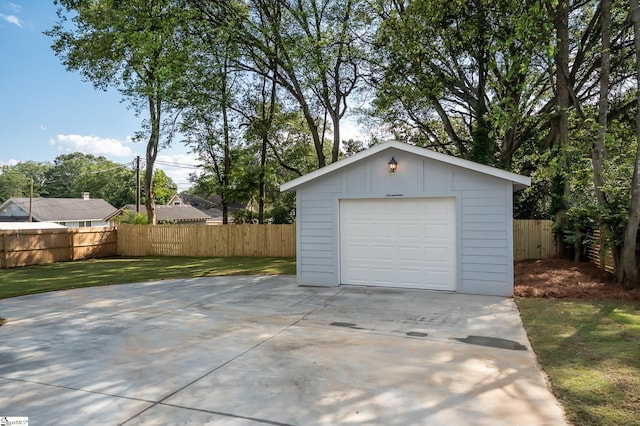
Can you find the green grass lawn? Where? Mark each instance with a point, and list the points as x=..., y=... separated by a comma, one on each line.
x=591, y=353
x=88, y=273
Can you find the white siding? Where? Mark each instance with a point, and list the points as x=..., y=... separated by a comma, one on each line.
x=483, y=217
x=317, y=232
x=486, y=250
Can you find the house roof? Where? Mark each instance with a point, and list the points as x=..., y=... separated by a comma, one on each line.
x=62, y=209
x=211, y=202
x=170, y=213
x=518, y=181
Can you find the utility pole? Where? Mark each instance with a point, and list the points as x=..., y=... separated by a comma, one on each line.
x=31, y=201
x=138, y=184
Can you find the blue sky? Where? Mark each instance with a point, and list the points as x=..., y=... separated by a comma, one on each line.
x=46, y=111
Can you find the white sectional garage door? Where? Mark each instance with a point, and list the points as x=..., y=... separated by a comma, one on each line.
x=409, y=243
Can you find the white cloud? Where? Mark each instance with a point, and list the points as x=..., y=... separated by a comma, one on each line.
x=12, y=19
x=92, y=145
x=43, y=127
x=11, y=162
x=15, y=7
x=178, y=167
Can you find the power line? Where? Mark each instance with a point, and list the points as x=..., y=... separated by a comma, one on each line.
x=178, y=165
x=44, y=180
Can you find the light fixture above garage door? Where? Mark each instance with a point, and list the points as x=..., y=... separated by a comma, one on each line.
x=393, y=165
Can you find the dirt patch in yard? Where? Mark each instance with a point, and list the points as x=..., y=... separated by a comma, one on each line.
x=561, y=278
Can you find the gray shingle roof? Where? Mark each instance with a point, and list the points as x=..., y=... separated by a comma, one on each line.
x=64, y=209
x=177, y=213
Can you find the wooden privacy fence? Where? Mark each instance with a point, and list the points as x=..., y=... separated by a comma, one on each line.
x=603, y=258
x=36, y=246
x=207, y=240
x=533, y=239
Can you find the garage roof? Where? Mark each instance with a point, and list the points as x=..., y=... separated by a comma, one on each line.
x=518, y=181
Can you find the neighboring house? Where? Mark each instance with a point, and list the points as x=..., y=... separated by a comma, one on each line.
x=175, y=201
x=178, y=214
x=397, y=215
x=68, y=212
x=211, y=206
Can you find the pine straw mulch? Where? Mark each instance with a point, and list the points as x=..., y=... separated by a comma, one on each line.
x=562, y=278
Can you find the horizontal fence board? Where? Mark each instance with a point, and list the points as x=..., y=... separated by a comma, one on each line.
x=600, y=256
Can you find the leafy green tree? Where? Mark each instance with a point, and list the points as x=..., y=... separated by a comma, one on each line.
x=629, y=276
x=114, y=183
x=163, y=186
x=467, y=87
x=136, y=46
x=72, y=174
x=16, y=180
x=312, y=49
x=69, y=172
x=12, y=184
x=326, y=41
x=206, y=119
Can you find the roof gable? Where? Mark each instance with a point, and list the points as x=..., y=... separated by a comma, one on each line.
x=518, y=181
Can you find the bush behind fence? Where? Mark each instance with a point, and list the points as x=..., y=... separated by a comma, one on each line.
x=532, y=239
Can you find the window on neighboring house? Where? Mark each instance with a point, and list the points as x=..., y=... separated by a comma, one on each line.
x=176, y=203
x=84, y=223
x=62, y=223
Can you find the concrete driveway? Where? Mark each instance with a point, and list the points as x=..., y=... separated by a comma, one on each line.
x=260, y=350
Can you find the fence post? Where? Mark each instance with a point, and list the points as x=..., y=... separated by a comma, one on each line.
x=4, y=250
x=603, y=251
x=71, y=246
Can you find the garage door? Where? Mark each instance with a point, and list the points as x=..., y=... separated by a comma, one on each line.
x=409, y=243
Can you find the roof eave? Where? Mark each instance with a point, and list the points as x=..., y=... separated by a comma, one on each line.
x=519, y=181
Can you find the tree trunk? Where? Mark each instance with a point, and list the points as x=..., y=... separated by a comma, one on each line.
x=226, y=169
x=152, y=153
x=313, y=128
x=561, y=122
x=629, y=274
x=483, y=149
x=289, y=80
x=335, y=121
x=263, y=161
x=597, y=150
x=265, y=127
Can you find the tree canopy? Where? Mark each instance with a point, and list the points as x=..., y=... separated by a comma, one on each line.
x=259, y=90
x=69, y=175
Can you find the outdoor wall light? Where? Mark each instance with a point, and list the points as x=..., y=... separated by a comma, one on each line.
x=393, y=165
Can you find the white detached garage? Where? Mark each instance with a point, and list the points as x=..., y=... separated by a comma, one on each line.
x=436, y=222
